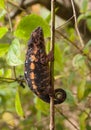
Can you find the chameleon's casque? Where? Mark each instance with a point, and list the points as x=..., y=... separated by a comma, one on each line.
x=37, y=72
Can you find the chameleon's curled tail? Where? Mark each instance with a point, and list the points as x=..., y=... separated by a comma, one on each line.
x=59, y=96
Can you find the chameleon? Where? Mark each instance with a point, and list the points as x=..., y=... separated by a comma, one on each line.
x=37, y=72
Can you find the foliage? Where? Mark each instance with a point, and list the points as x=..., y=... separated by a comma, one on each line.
x=19, y=108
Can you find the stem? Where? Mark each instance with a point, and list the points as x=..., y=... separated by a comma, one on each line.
x=74, y=44
x=10, y=79
x=14, y=71
x=9, y=18
x=11, y=28
x=64, y=24
x=67, y=119
x=15, y=4
x=52, y=111
x=76, y=27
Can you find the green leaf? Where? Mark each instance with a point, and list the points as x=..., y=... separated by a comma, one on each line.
x=88, y=14
x=71, y=78
x=3, y=31
x=29, y=23
x=88, y=21
x=3, y=49
x=2, y=12
x=78, y=61
x=81, y=90
x=48, y=18
x=88, y=89
x=82, y=119
x=71, y=33
x=41, y=106
x=84, y=16
x=81, y=17
x=59, y=60
x=18, y=106
x=2, y=4
x=8, y=73
x=70, y=98
x=13, y=56
x=84, y=6
x=86, y=48
x=1, y=72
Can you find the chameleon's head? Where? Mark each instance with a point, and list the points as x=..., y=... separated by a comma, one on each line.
x=37, y=38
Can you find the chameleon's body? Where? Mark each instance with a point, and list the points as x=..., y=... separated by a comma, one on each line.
x=37, y=72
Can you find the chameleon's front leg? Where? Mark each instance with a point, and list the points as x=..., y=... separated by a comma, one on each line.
x=45, y=58
x=50, y=56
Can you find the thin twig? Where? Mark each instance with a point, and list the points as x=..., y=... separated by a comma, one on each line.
x=14, y=71
x=74, y=44
x=11, y=28
x=52, y=111
x=9, y=18
x=6, y=81
x=76, y=27
x=67, y=119
x=64, y=24
x=7, y=78
x=15, y=4
x=11, y=79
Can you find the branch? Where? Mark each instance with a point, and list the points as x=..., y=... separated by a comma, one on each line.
x=15, y=4
x=20, y=7
x=67, y=119
x=20, y=80
x=74, y=44
x=52, y=111
x=9, y=18
x=76, y=27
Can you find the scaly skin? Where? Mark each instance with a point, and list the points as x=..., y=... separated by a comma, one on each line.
x=37, y=73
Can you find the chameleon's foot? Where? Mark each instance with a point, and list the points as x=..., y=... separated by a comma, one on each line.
x=50, y=56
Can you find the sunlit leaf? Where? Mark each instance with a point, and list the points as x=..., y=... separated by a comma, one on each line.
x=13, y=56
x=29, y=23
x=2, y=4
x=18, y=106
x=3, y=49
x=8, y=73
x=48, y=18
x=2, y=13
x=3, y=31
